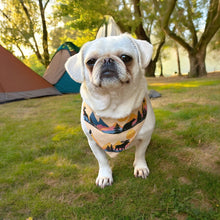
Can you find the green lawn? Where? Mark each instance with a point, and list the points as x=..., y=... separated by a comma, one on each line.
x=47, y=170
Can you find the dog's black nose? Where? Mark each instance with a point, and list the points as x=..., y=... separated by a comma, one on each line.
x=108, y=61
x=108, y=69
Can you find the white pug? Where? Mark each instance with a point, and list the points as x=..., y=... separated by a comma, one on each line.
x=116, y=110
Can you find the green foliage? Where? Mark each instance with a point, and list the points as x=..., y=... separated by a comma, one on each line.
x=34, y=64
x=84, y=36
x=82, y=15
x=81, y=19
x=78, y=21
x=193, y=35
x=23, y=25
x=15, y=22
x=189, y=14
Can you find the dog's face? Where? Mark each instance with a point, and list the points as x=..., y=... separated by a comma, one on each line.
x=109, y=65
x=110, y=62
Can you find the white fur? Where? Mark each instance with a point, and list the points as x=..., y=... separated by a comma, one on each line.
x=115, y=99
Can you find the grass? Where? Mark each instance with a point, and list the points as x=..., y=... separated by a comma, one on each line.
x=47, y=170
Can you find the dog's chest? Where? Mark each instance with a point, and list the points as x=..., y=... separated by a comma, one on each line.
x=114, y=135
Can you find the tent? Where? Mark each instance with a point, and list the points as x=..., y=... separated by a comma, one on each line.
x=109, y=28
x=17, y=81
x=56, y=73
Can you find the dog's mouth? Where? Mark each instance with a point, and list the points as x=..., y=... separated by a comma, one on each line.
x=108, y=69
x=109, y=74
x=111, y=78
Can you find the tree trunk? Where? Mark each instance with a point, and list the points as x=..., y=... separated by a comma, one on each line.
x=150, y=70
x=139, y=31
x=45, y=34
x=21, y=51
x=161, y=67
x=34, y=46
x=197, y=63
x=196, y=51
x=178, y=60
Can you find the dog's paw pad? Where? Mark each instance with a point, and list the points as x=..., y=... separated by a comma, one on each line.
x=104, y=181
x=141, y=172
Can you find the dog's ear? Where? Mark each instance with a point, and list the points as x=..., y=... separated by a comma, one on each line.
x=74, y=67
x=145, y=52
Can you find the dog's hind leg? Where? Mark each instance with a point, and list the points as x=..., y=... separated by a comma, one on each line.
x=140, y=165
x=105, y=173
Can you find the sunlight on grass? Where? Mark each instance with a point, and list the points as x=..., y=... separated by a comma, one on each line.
x=186, y=84
x=48, y=170
x=64, y=132
x=56, y=160
x=173, y=85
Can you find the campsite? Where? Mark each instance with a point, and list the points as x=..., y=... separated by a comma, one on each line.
x=56, y=73
x=17, y=81
x=47, y=168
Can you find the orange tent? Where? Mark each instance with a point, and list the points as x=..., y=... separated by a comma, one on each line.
x=17, y=81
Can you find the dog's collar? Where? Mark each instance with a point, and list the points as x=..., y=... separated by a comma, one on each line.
x=114, y=135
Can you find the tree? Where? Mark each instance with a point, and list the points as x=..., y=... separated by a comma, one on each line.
x=82, y=14
x=44, y=30
x=188, y=14
x=20, y=24
x=81, y=19
x=144, y=23
x=178, y=59
x=215, y=42
x=133, y=16
x=145, y=35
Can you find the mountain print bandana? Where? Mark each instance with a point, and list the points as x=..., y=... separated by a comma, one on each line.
x=114, y=135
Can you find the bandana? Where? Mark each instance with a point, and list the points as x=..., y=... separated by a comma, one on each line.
x=114, y=135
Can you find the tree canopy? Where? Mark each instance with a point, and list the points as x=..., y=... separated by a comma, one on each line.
x=42, y=25
x=181, y=20
x=22, y=22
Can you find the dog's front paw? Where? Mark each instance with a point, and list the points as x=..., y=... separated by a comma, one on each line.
x=142, y=172
x=104, y=179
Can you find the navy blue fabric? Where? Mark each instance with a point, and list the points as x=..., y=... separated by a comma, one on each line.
x=67, y=85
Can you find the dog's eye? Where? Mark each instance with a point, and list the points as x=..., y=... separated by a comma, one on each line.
x=126, y=58
x=91, y=62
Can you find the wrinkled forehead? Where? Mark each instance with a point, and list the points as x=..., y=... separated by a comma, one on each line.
x=110, y=45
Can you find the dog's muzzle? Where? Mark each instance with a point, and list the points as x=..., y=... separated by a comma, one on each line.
x=108, y=69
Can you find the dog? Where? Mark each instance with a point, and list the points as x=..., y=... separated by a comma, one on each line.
x=116, y=110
